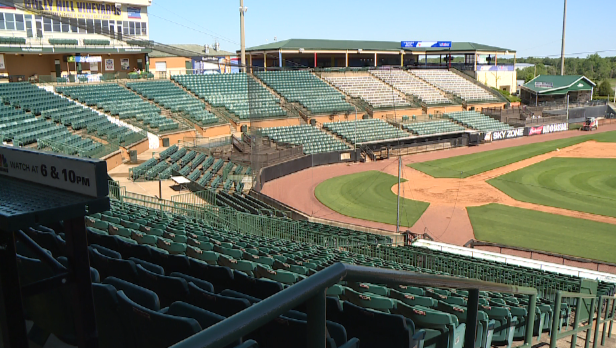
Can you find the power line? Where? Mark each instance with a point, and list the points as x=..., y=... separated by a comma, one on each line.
x=212, y=33
x=191, y=28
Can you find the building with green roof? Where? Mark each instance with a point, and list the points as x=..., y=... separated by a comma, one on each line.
x=555, y=88
x=479, y=61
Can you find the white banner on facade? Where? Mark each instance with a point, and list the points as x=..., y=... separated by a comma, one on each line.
x=2, y=66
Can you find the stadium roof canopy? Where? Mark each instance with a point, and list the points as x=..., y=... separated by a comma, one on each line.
x=558, y=85
x=381, y=46
x=185, y=50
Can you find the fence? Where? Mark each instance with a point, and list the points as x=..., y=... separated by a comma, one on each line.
x=197, y=199
x=600, y=305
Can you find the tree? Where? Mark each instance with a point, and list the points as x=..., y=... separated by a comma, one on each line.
x=605, y=88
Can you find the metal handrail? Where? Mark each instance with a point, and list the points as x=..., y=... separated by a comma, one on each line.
x=312, y=292
x=608, y=317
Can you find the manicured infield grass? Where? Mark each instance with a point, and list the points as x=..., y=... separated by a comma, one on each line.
x=368, y=196
x=468, y=165
x=531, y=229
x=581, y=184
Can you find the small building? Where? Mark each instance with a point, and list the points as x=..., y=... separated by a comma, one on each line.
x=555, y=88
x=190, y=58
x=46, y=40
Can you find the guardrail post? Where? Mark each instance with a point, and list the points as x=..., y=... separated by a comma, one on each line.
x=556, y=320
x=316, y=321
x=608, y=311
x=612, y=316
x=471, y=319
x=590, y=315
x=530, y=323
x=578, y=307
x=598, y=321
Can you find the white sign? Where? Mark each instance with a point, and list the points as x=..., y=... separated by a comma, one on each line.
x=2, y=66
x=94, y=67
x=77, y=175
x=109, y=64
x=508, y=134
x=125, y=63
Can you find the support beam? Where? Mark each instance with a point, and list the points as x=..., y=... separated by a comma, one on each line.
x=402, y=59
x=280, y=61
x=375, y=59
x=242, y=38
x=346, y=57
x=265, y=61
x=315, y=59
x=562, y=49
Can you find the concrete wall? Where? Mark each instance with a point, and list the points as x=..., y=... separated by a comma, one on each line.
x=294, y=121
x=113, y=160
x=174, y=138
x=384, y=114
x=479, y=106
x=175, y=65
x=214, y=131
x=503, y=80
x=141, y=147
x=443, y=109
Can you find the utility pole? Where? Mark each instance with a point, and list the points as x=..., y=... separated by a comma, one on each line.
x=242, y=36
x=562, y=51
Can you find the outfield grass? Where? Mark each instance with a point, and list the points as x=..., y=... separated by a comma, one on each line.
x=581, y=184
x=531, y=229
x=468, y=165
x=368, y=196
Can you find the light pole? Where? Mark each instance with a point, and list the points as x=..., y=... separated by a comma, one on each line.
x=242, y=36
x=562, y=50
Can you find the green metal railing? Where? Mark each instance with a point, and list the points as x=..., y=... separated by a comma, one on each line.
x=312, y=292
x=602, y=304
x=197, y=199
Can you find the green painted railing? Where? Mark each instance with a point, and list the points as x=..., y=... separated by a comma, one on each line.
x=312, y=292
x=598, y=305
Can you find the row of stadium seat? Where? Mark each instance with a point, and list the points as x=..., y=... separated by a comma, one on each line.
x=453, y=83
x=475, y=120
x=168, y=95
x=312, y=139
x=369, y=89
x=118, y=101
x=432, y=127
x=409, y=84
x=23, y=127
x=239, y=93
x=361, y=131
x=305, y=88
x=128, y=254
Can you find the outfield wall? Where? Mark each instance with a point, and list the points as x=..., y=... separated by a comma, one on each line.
x=515, y=260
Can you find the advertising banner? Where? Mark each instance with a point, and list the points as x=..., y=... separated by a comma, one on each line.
x=441, y=44
x=74, y=9
x=508, y=134
x=546, y=129
x=125, y=63
x=84, y=59
x=495, y=68
x=2, y=66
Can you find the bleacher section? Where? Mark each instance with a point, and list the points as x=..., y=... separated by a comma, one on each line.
x=169, y=96
x=311, y=138
x=23, y=127
x=205, y=274
x=452, y=83
x=119, y=101
x=409, y=84
x=362, y=131
x=238, y=93
x=432, y=127
x=475, y=120
x=305, y=88
x=369, y=89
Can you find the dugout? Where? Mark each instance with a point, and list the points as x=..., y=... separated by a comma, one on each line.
x=556, y=88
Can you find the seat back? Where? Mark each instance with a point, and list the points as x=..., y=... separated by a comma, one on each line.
x=154, y=329
x=168, y=289
x=140, y=295
x=372, y=328
x=219, y=304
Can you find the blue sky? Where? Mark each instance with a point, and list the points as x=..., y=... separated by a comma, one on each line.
x=531, y=27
